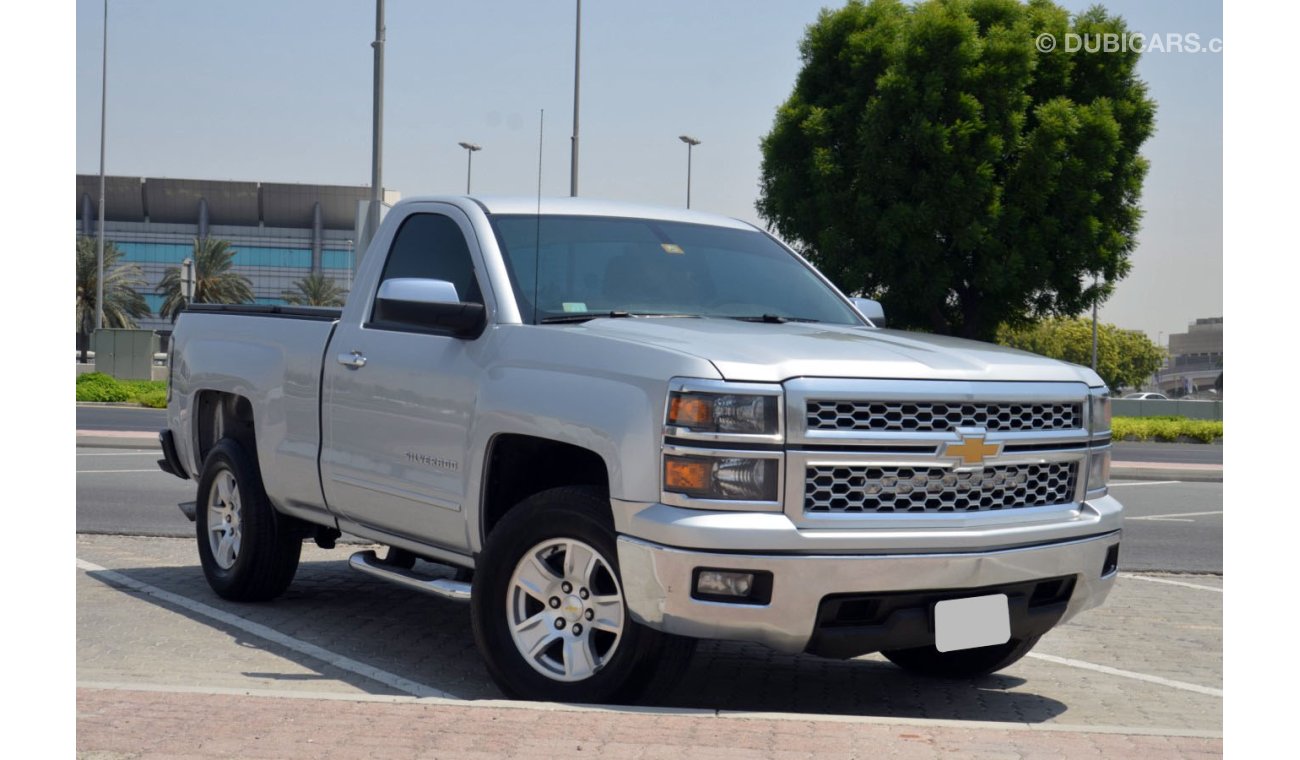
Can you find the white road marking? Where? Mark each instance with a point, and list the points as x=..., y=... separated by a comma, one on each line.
x=1169, y=581
x=101, y=472
x=1145, y=483
x=270, y=634
x=1127, y=674
x=1175, y=515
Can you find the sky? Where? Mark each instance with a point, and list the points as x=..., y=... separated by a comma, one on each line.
x=281, y=92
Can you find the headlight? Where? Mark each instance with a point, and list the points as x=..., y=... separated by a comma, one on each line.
x=732, y=478
x=1098, y=472
x=723, y=413
x=1099, y=411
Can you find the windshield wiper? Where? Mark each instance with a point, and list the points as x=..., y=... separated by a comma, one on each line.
x=590, y=315
x=775, y=319
x=583, y=317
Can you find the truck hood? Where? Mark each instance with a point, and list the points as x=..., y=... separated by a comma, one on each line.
x=763, y=352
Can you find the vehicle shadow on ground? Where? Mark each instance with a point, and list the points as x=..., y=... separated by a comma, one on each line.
x=429, y=641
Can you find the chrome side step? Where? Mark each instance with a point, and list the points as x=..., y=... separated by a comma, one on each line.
x=369, y=563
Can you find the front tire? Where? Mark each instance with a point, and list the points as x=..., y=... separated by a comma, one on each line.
x=549, y=613
x=248, y=551
x=963, y=663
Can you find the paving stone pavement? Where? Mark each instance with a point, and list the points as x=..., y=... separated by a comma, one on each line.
x=127, y=639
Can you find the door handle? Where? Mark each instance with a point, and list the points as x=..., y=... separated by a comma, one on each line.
x=354, y=360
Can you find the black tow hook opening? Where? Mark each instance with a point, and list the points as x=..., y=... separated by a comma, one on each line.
x=1111, y=565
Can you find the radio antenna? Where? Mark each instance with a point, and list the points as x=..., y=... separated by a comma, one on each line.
x=537, y=256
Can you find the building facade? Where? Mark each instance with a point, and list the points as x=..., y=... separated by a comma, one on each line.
x=1195, y=362
x=280, y=232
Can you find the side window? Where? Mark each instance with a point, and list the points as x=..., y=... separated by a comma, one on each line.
x=431, y=246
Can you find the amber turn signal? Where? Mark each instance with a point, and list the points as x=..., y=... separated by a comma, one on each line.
x=686, y=475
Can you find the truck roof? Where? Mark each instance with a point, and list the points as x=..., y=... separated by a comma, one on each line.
x=498, y=204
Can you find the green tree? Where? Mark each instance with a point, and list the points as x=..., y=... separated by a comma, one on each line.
x=931, y=157
x=1125, y=358
x=214, y=278
x=122, y=303
x=315, y=290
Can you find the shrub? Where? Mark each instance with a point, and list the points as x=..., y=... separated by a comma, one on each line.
x=154, y=399
x=1166, y=429
x=96, y=386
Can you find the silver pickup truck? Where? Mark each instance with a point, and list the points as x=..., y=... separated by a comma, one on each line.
x=616, y=430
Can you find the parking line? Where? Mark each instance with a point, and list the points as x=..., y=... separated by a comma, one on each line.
x=101, y=472
x=1145, y=483
x=1137, y=577
x=1128, y=674
x=414, y=688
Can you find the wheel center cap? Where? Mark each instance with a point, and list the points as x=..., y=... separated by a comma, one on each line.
x=572, y=609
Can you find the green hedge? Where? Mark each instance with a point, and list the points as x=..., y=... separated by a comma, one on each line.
x=96, y=386
x=1166, y=429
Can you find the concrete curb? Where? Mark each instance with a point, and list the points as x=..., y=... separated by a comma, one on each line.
x=118, y=439
x=1197, y=473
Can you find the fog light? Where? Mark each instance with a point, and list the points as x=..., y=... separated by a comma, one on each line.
x=719, y=583
x=735, y=586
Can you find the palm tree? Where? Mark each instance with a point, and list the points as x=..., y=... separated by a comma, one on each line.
x=122, y=304
x=315, y=290
x=214, y=281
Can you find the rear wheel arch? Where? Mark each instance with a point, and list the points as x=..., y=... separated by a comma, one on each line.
x=221, y=414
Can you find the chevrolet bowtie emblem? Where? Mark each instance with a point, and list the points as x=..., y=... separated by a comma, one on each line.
x=972, y=449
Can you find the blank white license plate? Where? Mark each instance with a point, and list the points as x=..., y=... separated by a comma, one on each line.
x=979, y=621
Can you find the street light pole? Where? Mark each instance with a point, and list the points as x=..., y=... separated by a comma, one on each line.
x=1095, y=296
x=377, y=128
x=577, y=59
x=469, y=166
x=103, y=123
x=691, y=142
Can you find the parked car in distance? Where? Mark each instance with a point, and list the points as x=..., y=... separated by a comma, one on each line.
x=1147, y=396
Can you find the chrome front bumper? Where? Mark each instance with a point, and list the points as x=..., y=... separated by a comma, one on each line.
x=657, y=583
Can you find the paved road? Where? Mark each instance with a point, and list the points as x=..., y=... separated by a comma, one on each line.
x=95, y=417
x=1186, y=453
x=1173, y=527
x=122, y=491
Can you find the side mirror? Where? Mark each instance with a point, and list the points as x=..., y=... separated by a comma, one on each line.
x=870, y=309
x=428, y=306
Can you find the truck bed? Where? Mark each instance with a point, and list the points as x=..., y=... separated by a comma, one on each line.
x=270, y=355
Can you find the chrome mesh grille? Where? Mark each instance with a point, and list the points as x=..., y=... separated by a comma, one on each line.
x=864, y=489
x=926, y=416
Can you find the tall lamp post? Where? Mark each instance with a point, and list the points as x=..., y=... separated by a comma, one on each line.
x=469, y=165
x=691, y=142
x=376, y=129
x=103, y=121
x=577, y=54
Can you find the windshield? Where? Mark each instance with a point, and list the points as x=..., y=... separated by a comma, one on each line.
x=602, y=266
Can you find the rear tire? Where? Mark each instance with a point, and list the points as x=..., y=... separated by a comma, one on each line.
x=549, y=613
x=249, y=552
x=963, y=663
